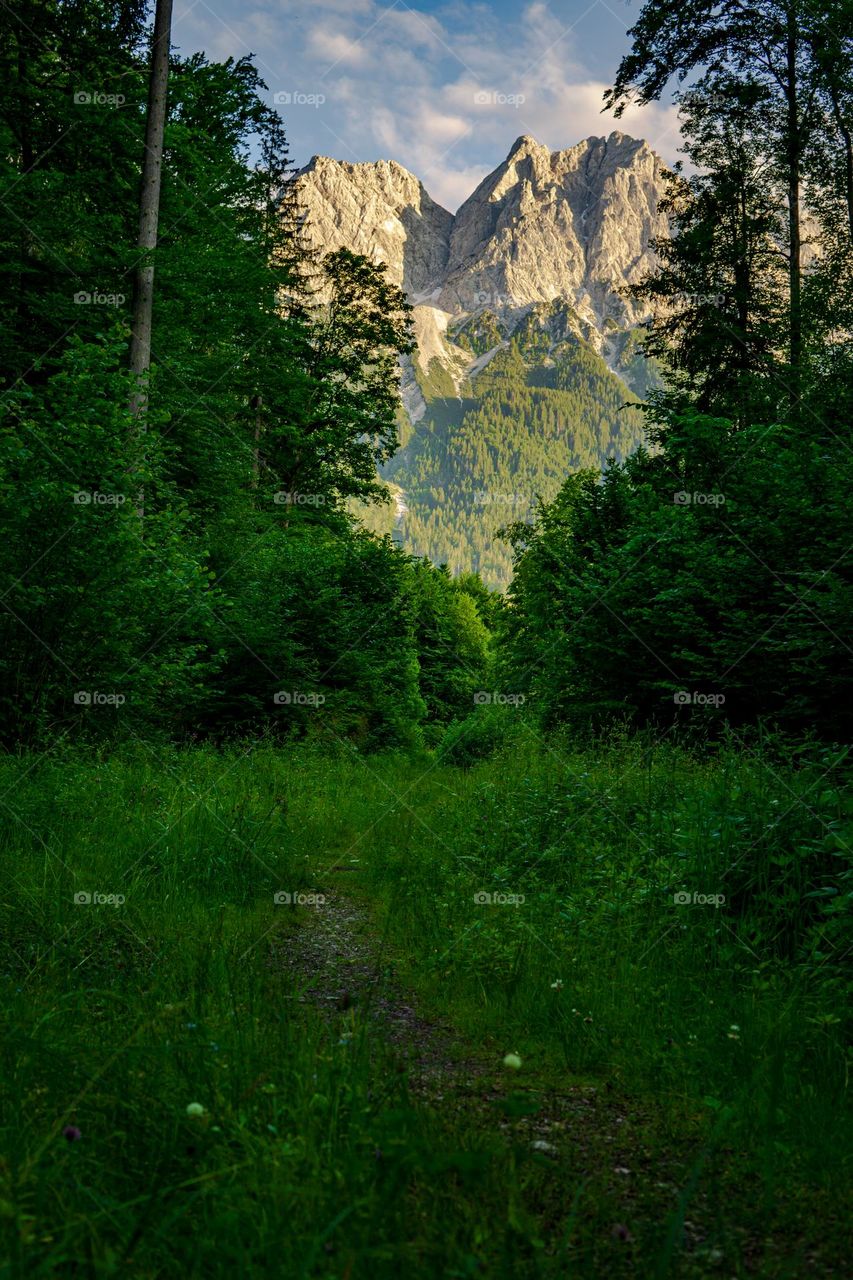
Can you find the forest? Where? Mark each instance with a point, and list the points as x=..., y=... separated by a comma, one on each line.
x=365, y=914
x=544, y=406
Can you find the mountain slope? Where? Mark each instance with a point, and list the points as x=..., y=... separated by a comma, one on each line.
x=527, y=343
x=543, y=405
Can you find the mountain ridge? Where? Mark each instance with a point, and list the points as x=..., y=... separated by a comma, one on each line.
x=520, y=237
x=530, y=278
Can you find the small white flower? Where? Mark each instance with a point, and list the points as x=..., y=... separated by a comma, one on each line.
x=557, y=985
x=512, y=1061
x=541, y=1145
x=195, y=1109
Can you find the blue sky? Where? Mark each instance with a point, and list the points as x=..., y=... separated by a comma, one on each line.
x=443, y=88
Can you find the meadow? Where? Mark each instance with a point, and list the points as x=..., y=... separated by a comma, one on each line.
x=171, y=1106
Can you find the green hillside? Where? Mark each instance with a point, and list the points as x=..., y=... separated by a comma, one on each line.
x=544, y=405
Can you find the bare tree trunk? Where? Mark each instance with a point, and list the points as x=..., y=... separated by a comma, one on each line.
x=149, y=210
x=794, y=236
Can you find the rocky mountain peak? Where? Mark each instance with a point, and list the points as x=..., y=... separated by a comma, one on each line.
x=532, y=270
x=378, y=209
x=524, y=146
x=575, y=224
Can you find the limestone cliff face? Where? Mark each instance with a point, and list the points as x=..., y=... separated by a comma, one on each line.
x=574, y=225
x=381, y=211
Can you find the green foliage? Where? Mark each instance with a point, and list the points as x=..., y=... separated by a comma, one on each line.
x=72, y=93
x=670, y=578
x=318, y=641
x=273, y=398
x=480, y=735
x=340, y=419
x=452, y=642
x=435, y=382
x=709, y=582
x=719, y=321
x=98, y=624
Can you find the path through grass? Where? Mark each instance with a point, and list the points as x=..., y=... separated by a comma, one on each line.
x=682, y=1064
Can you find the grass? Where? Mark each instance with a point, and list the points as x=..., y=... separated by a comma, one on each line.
x=712, y=1036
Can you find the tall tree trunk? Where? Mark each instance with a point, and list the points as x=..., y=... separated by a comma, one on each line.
x=794, y=235
x=149, y=210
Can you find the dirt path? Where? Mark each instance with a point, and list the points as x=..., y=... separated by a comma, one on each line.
x=336, y=964
x=595, y=1139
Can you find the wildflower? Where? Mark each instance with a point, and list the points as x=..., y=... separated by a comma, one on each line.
x=71, y=1133
x=195, y=1109
x=733, y=1032
x=547, y=1148
x=557, y=985
x=512, y=1061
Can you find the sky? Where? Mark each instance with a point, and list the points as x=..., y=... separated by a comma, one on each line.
x=442, y=88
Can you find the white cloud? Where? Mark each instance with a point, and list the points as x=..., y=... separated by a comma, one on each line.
x=335, y=47
x=403, y=84
x=453, y=186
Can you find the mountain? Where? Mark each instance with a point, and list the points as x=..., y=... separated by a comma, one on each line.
x=528, y=348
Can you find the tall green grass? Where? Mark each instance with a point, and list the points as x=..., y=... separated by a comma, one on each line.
x=310, y=1157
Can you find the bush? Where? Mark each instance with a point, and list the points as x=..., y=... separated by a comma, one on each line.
x=480, y=735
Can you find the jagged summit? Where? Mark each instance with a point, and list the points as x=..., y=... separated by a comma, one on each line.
x=380, y=209
x=525, y=144
x=574, y=224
